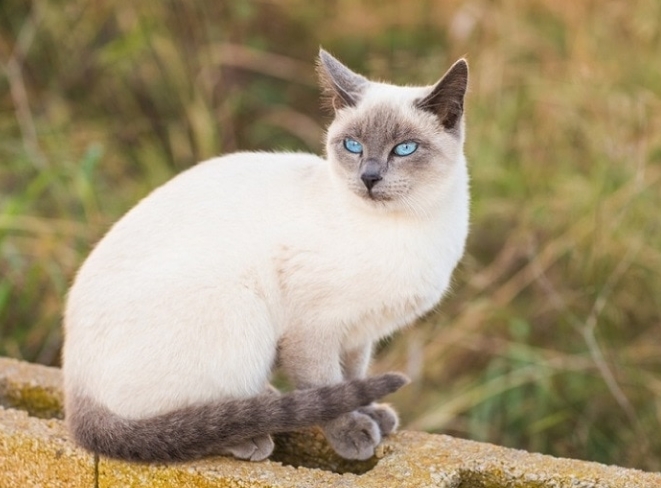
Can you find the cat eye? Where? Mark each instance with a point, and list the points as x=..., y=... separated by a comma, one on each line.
x=353, y=146
x=405, y=148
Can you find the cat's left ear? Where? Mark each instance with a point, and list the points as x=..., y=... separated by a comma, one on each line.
x=341, y=86
x=446, y=100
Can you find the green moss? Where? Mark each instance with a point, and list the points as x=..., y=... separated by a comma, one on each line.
x=36, y=452
x=35, y=400
x=491, y=480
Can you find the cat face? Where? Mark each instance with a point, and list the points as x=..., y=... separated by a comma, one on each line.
x=393, y=146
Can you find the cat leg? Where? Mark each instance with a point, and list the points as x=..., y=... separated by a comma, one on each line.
x=317, y=363
x=256, y=448
x=355, y=363
x=248, y=362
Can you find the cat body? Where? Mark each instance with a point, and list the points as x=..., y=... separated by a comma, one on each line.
x=244, y=262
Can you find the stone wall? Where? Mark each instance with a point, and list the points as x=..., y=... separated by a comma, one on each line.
x=35, y=451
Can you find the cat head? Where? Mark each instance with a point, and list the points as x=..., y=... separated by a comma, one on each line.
x=394, y=146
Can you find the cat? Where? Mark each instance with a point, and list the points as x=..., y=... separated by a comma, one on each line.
x=253, y=261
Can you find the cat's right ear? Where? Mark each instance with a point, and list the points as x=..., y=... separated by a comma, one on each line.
x=341, y=87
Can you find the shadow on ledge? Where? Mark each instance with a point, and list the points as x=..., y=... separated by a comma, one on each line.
x=309, y=449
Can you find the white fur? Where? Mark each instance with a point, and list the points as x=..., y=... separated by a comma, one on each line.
x=185, y=299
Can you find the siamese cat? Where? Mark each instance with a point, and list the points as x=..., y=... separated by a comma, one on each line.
x=253, y=261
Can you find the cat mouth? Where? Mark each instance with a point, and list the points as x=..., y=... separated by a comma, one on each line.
x=374, y=194
x=377, y=196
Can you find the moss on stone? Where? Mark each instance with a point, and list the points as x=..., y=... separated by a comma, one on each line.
x=33, y=388
x=35, y=400
x=36, y=452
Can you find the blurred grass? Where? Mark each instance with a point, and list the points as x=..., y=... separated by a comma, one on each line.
x=550, y=338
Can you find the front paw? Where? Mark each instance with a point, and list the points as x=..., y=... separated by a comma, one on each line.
x=384, y=416
x=353, y=435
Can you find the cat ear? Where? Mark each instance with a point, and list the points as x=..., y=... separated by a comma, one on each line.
x=446, y=99
x=341, y=86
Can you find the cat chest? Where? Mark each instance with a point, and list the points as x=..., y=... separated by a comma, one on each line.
x=366, y=291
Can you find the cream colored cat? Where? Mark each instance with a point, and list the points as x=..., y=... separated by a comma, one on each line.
x=255, y=260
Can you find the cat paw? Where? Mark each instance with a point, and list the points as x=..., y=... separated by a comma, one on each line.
x=384, y=416
x=353, y=435
x=255, y=449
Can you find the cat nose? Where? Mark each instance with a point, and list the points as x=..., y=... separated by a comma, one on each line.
x=371, y=178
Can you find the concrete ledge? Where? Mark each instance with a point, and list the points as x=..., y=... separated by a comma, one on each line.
x=31, y=387
x=38, y=452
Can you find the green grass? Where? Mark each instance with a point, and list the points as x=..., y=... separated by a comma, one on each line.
x=549, y=339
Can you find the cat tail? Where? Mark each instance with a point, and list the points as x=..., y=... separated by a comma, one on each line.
x=197, y=431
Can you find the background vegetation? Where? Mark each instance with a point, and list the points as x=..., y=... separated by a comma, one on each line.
x=550, y=339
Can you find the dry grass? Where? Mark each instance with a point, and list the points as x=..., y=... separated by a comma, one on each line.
x=549, y=340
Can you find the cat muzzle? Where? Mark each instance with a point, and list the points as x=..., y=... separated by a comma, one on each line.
x=371, y=174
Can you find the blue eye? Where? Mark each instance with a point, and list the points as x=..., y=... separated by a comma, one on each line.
x=405, y=148
x=353, y=146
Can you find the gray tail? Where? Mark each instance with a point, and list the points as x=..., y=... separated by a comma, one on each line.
x=197, y=431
